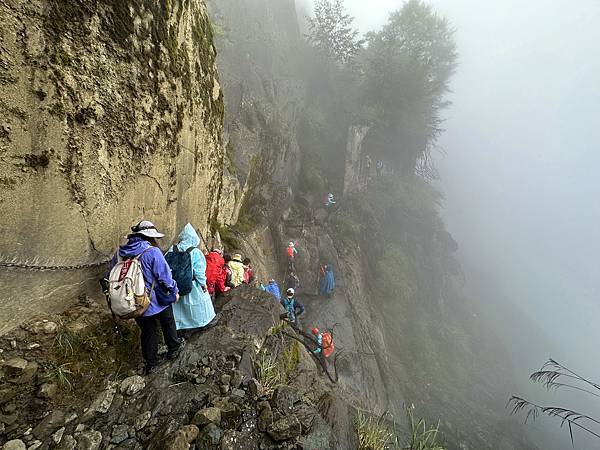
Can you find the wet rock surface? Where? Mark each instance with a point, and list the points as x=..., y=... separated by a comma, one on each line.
x=183, y=405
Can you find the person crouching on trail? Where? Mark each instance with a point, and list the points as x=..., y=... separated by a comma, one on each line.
x=325, y=345
x=215, y=276
x=237, y=270
x=142, y=243
x=293, y=308
x=188, y=264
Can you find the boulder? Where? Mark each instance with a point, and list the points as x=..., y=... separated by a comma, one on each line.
x=15, y=444
x=49, y=424
x=47, y=391
x=132, y=385
x=236, y=378
x=206, y=416
x=182, y=438
x=119, y=433
x=141, y=420
x=284, y=399
x=209, y=437
x=286, y=428
x=67, y=443
x=255, y=388
x=265, y=419
x=89, y=440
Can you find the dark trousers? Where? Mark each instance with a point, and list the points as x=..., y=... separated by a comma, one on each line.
x=149, y=337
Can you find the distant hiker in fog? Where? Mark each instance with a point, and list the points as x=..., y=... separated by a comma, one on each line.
x=237, y=270
x=161, y=287
x=273, y=289
x=379, y=167
x=329, y=200
x=293, y=307
x=368, y=165
x=248, y=271
x=195, y=308
x=291, y=280
x=291, y=252
x=327, y=283
x=215, y=274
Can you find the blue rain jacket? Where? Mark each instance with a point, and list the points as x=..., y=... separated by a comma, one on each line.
x=327, y=283
x=195, y=309
x=155, y=270
x=273, y=289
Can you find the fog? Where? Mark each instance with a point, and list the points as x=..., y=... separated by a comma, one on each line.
x=518, y=170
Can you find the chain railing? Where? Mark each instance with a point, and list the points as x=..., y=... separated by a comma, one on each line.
x=34, y=266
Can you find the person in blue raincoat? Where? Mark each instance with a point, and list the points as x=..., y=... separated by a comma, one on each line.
x=194, y=310
x=273, y=289
x=327, y=283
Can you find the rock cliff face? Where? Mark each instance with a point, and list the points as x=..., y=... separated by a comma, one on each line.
x=110, y=111
x=258, y=43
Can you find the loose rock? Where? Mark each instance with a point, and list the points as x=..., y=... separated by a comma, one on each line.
x=209, y=437
x=206, y=416
x=142, y=420
x=132, y=385
x=47, y=391
x=89, y=440
x=284, y=398
x=15, y=444
x=255, y=388
x=287, y=428
x=182, y=438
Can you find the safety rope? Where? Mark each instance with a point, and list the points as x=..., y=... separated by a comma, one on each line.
x=51, y=267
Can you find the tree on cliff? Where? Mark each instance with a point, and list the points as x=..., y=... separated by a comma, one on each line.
x=332, y=33
x=408, y=65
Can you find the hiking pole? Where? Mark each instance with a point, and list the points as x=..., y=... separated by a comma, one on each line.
x=104, y=285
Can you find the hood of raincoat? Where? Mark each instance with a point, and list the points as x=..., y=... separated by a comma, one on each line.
x=188, y=238
x=134, y=246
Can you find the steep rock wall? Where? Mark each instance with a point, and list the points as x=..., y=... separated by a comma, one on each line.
x=259, y=43
x=110, y=111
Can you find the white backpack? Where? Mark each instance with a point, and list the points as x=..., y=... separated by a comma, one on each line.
x=127, y=294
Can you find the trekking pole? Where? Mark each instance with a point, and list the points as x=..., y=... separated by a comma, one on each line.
x=203, y=240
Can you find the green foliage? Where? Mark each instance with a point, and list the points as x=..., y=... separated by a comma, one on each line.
x=274, y=371
x=62, y=375
x=373, y=433
x=331, y=31
x=421, y=435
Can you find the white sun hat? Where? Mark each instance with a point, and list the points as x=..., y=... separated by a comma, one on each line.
x=146, y=228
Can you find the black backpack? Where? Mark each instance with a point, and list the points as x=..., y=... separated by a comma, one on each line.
x=181, y=267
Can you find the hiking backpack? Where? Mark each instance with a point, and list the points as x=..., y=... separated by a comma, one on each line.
x=128, y=297
x=327, y=344
x=181, y=267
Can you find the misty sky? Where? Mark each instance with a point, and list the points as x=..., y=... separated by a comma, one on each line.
x=521, y=171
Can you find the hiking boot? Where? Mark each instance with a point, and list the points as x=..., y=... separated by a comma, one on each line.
x=175, y=353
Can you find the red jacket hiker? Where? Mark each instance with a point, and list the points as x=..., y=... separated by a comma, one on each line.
x=215, y=276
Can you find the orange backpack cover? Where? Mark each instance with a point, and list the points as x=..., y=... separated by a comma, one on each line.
x=327, y=344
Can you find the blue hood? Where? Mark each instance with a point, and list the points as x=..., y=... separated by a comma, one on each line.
x=188, y=238
x=134, y=247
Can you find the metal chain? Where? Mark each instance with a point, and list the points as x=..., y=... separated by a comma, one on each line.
x=54, y=267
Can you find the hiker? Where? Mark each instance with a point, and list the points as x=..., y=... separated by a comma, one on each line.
x=291, y=280
x=293, y=308
x=379, y=167
x=248, y=271
x=329, y=200
x=215, y=276
x=273, y=289
x=325, y=345
x=162, y=289
x=227, y=273
x=237, y=270
x=188, y=264
x=327, y=283
x=291, y=251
